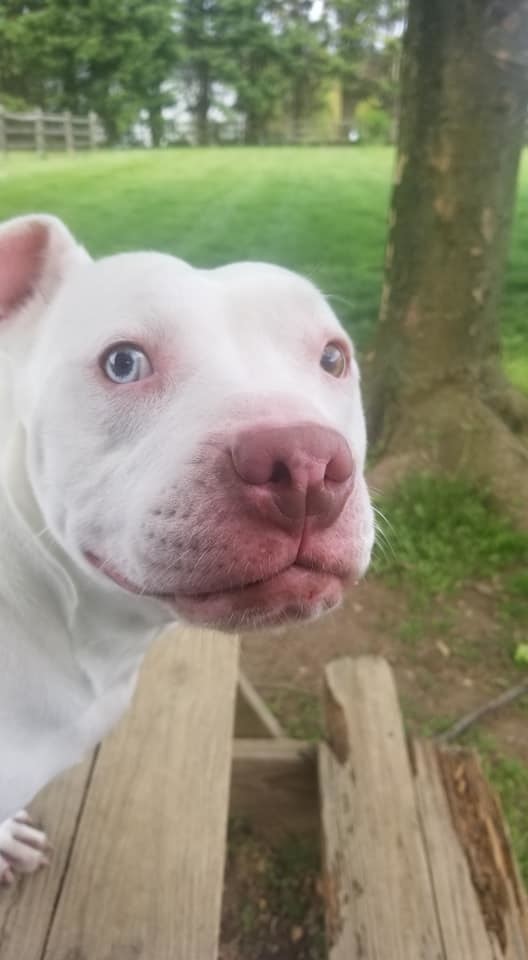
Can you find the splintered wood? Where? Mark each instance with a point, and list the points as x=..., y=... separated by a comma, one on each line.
x=417, y=861
x=140, y=830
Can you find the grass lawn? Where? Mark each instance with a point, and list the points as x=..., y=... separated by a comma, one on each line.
x=321, y=211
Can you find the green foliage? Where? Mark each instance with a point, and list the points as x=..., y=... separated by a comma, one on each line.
x=253, y=63
x=443, y=532
x=373, y=122
x=140, y=55
x=299, y=713
x=514, y=607
x=294, y=861
x=111, y=58
x=277, y=891
x=367, y=50
x=521, y=654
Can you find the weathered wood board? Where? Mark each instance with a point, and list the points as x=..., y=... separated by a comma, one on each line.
x=142, y=845
x=274, y=786
x=377, y=884
x=417, y=861
x=482, y=906
x=27, y=908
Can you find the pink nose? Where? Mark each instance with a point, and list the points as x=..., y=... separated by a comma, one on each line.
x=294, y=472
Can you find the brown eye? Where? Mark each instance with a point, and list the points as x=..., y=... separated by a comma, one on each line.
x=334, y=360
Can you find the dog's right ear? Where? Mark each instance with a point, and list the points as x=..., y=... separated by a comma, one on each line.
x=36, y=253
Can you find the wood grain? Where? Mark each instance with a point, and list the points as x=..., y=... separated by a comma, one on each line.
x=26, y=908
x=146, y=873
x=274, y=786
x=481, y=901
x=379, y=899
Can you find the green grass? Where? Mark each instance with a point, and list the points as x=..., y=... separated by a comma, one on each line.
x=322, y=211
x=442, y=533
x=299, y=712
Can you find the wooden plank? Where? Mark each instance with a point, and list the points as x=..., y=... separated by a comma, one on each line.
x=26, y=908
x=146, y=873
x=481, y=902
x=253, y=718
x=274, y=787
x=379, y=900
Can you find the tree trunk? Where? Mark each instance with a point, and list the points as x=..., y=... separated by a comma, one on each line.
x=251, y=129
x=436, y=393
x=155, y=120
x=203, y=104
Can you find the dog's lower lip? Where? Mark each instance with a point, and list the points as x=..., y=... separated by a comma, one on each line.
x=171, y=596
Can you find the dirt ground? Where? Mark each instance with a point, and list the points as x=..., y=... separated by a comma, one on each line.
x=448, y=657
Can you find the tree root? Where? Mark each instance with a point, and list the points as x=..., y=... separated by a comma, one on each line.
x=461, y=433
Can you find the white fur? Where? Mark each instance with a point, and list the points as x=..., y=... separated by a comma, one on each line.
x=84, y=463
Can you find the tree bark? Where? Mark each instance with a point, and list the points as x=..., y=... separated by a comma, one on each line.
x=435, y=388
x=155, y=120
x=203, y=103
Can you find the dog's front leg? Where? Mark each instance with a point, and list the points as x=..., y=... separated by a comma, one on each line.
x=23, y=848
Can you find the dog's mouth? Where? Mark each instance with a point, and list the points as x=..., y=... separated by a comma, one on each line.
x=296, y=592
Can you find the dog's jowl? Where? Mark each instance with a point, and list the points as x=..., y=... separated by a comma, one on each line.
x=175, y=445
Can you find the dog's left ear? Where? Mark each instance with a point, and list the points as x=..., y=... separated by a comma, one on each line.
x=36, y=252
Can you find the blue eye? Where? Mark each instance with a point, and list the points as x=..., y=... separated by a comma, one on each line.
x=126, y=364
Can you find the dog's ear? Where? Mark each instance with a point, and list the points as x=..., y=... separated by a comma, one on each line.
x=36, y=252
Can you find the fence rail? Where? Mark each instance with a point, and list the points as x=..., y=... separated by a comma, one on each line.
x=44, y=132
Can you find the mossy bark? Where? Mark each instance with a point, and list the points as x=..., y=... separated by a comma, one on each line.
x=436, y=393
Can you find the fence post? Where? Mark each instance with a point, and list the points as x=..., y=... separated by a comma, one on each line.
x=3, y=134
x=40, y=144
x=69, y=138
x=92, y=129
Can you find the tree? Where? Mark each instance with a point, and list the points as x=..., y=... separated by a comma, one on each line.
x=367, y=50
x=253, y=63
x=306, y=59
x=198, y=23
x=437, y=394
x=22, y=68
x=112, y=58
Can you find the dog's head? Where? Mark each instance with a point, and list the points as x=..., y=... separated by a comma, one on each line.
x=194, y=435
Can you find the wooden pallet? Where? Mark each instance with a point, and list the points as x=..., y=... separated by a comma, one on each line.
x=417, y=863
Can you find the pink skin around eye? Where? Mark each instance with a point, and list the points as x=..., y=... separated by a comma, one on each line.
x=162, y=360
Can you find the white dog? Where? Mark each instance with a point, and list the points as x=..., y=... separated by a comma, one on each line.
x=175, y=444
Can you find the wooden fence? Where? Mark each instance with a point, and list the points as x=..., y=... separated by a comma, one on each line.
x=45, y=132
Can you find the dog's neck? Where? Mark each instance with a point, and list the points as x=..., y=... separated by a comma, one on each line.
x=69, y=646
x=107, y=630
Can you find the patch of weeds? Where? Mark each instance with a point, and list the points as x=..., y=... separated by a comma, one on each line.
x=442, y=533
x=432, y=726
x=411, y=630
x=514, y=603
x=466, y=650
x=419, y=725
x=273, y=897
x=288, y=878
x=509, y=777
x=299, y=713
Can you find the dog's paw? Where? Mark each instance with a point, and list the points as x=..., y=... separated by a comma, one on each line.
x=23, y=848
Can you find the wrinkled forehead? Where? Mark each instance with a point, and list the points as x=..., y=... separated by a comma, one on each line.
x=133, y=296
